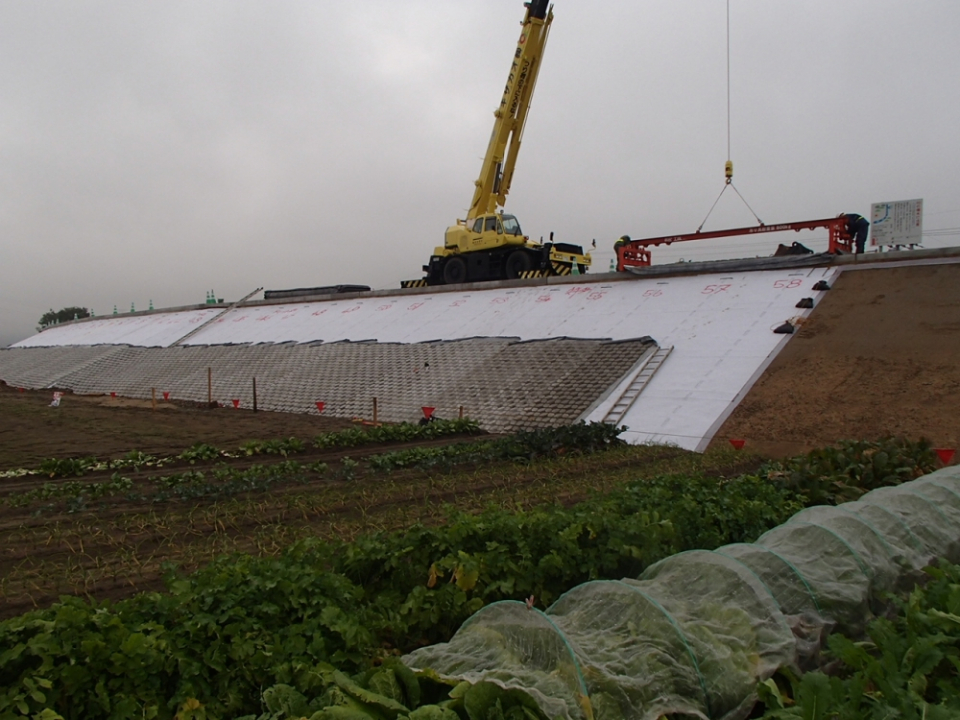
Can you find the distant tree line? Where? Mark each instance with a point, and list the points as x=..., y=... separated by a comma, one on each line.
x=53, y=317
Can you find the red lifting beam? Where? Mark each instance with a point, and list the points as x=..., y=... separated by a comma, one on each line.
x=634, y=253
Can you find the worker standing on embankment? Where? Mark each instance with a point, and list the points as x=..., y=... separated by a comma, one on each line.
x=858, y=227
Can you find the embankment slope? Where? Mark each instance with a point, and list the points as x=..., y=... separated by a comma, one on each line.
x=879, y=356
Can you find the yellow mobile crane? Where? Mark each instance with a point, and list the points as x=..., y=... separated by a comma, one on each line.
x=488, y=244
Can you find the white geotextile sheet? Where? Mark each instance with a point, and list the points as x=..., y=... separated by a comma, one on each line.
x=155, y=330
x=721, y=328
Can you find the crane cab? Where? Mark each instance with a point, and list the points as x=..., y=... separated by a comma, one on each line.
x=486, y=232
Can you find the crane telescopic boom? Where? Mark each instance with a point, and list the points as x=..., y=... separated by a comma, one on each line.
x=496, y=174
x=488, y=244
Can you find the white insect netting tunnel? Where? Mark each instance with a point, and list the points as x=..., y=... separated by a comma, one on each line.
x=697, y=631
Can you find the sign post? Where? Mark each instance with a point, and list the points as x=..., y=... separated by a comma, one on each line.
x=896, y=224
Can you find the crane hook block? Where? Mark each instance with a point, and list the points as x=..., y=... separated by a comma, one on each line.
x=729, y=170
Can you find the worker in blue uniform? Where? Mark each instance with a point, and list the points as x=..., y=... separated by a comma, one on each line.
x=858, y=227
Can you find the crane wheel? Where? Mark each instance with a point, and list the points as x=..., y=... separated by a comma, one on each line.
x=455, y=271
x=518, y=262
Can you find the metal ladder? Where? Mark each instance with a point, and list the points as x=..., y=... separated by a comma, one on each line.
x=636, y=386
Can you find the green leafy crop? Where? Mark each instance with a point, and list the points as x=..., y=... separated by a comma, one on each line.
x=908, y=667
x=832, y=475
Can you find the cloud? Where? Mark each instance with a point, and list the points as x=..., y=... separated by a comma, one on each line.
x=156, y=150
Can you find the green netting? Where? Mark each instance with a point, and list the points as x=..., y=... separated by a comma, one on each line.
x=697, y=631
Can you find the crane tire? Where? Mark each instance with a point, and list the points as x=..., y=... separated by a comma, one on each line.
x=455, y=271
x=518, y=262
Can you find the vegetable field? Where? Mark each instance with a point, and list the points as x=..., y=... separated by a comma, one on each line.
x=108, y=527
x=283, y=577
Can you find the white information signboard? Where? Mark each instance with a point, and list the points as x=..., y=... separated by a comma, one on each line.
x=896, y=223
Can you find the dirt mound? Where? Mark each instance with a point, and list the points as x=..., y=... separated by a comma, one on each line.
x=879, y=356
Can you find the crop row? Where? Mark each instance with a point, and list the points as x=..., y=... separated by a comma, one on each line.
x=832, y=475
x=113, y=547
x=220, y=481
x=906, y=669
x=243, y=624
x=223, y=480
x=202, y=452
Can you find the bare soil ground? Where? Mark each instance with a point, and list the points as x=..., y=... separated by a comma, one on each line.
x=879, y=356
x=31, y=430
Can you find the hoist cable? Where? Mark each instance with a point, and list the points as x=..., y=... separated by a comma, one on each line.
x=728, y=81
x=727, y=184
x=729, y=164
x=713, y=206
x=759, y=221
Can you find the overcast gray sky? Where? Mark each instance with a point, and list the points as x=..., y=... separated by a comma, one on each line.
x=155, y=150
